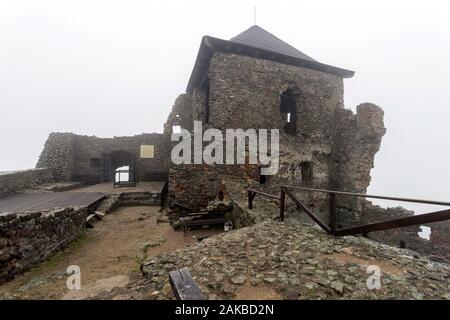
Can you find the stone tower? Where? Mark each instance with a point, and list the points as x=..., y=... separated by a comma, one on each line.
x=255, y=80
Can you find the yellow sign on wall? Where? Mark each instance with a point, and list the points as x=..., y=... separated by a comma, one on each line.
x=147, y=151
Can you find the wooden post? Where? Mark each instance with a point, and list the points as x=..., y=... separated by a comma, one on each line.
x=184, y=286
x=332, y=212
x=282, y=201
x=250, y=199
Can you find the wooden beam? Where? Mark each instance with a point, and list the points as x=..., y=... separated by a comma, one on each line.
x=268, y=195
x=306, y=210
x=396, y=223
x=184, y=286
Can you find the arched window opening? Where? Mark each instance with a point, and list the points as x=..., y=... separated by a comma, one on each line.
x=425, y=232
x=288, y=109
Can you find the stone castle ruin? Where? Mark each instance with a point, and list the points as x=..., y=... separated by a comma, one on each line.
x=322, y=144
x=252, y=81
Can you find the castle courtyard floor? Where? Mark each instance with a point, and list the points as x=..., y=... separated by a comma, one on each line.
x=109, y=257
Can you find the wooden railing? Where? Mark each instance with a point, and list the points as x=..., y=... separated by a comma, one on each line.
x=252, y=193
x=331, y=228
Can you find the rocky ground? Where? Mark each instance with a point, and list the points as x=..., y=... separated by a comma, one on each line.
x=269, y=260
x=292, y=260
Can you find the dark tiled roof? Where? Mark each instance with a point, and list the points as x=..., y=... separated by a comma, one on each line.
x=258, y=43
x=257, y=37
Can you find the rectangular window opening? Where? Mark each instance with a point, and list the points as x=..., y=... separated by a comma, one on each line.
x=307, y=171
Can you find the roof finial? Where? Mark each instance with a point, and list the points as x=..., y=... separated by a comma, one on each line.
x=254, y=15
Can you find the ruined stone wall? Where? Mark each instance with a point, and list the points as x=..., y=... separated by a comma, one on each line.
x=195, y=186
x=181, y=114
x=58, y=154
x=70, y=155
x=439, y=239
x=16, y=181
x=438, y=247
x=29, y=238
x=357, y=138
x=337, y=145
x=242, y=92
x=245, y=93
x=93, y=147
x=440, y=233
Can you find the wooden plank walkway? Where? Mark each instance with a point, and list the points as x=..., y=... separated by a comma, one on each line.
x=48, y=200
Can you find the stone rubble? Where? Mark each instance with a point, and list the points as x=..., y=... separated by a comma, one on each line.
x=299, y=261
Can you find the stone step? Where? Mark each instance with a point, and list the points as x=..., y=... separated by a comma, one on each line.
x=138, y=203
x=135, y=194
x=136, y=198
x=140, y=198
x=148, y=202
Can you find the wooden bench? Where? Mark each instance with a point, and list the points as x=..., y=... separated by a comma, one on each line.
x=184, y=286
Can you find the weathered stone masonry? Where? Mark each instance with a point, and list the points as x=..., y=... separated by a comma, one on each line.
x=29, y=238
x=437, y=247
x=244, y=92
x=92, y=160
x=18, y=181
x=255, y=81
x=245, y=84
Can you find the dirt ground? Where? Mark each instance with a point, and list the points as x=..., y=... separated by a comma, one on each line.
x=109, y=256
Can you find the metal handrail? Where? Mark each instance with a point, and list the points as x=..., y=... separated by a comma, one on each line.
x=361, y=229
x=396, y=223
x=305, y=209
x=252, y=193
x=439, y=203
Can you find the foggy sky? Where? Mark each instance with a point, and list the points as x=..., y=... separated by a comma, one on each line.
x=110, y=68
